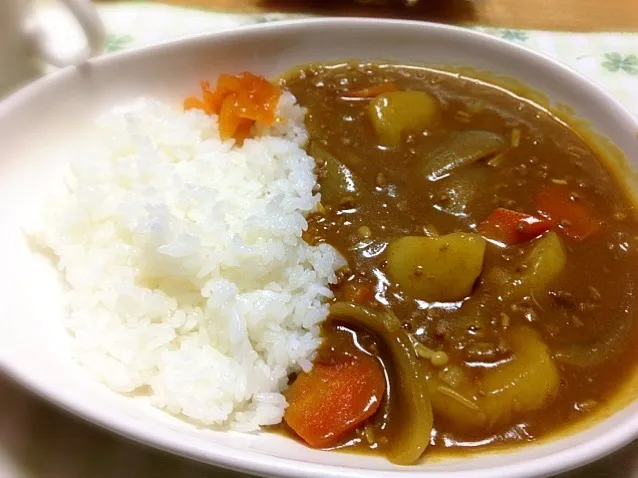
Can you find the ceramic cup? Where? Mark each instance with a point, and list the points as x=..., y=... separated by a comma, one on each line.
x=24, y=46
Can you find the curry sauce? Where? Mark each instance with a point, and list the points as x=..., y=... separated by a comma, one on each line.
x=489, y=233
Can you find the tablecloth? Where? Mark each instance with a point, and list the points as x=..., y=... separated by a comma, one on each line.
x=609, y=58
x=40, y=441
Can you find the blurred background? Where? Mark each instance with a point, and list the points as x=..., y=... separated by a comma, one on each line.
x=568, y=15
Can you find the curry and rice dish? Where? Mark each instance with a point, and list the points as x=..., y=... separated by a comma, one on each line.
x=363, y=256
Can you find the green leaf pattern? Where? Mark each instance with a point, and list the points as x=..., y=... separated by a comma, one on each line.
x=117, y=42
x=615, y=62
x=514, y=35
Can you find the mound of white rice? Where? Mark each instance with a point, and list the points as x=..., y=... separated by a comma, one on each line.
x=189, y=279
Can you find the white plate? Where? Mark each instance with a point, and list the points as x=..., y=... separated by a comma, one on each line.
x=41, y=124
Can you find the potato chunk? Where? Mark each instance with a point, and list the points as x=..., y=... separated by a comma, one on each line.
x=526, y=383
x=544, y=263
x=541, y=266
x=436, y=269
x=394, y=114
x=456, y=405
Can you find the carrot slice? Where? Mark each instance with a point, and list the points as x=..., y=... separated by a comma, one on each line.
x=373, y=91
x=239, y=101
x=227, y=84
x=331, y=400
x=228, y=117
x=193, y=103
x=212, y=99
x=513, y=227
x=243, y=130
x=573, y=216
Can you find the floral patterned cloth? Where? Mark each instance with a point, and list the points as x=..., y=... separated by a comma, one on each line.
x=611, y=59
x=39, y=441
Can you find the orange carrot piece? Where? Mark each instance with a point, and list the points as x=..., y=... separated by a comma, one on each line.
x=193, y=103
x=331, y=400
x=228, y=84
x=574, y=217
x=258, y=98
x=228, y=118
x=513, y=227
x=373, y=91
x=212, y=99
x=248, y=108
x=243, y=130
x=239, y=101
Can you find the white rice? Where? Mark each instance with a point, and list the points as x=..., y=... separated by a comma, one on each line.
x=189, y=279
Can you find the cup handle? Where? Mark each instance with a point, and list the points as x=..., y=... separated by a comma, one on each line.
x=87, y=16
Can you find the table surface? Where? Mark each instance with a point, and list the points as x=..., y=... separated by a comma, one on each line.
x=567, y=15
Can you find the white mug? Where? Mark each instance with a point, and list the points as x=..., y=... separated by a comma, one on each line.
x=24, y=45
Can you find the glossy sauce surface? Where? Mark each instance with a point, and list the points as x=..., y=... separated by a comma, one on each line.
x=589, y=307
